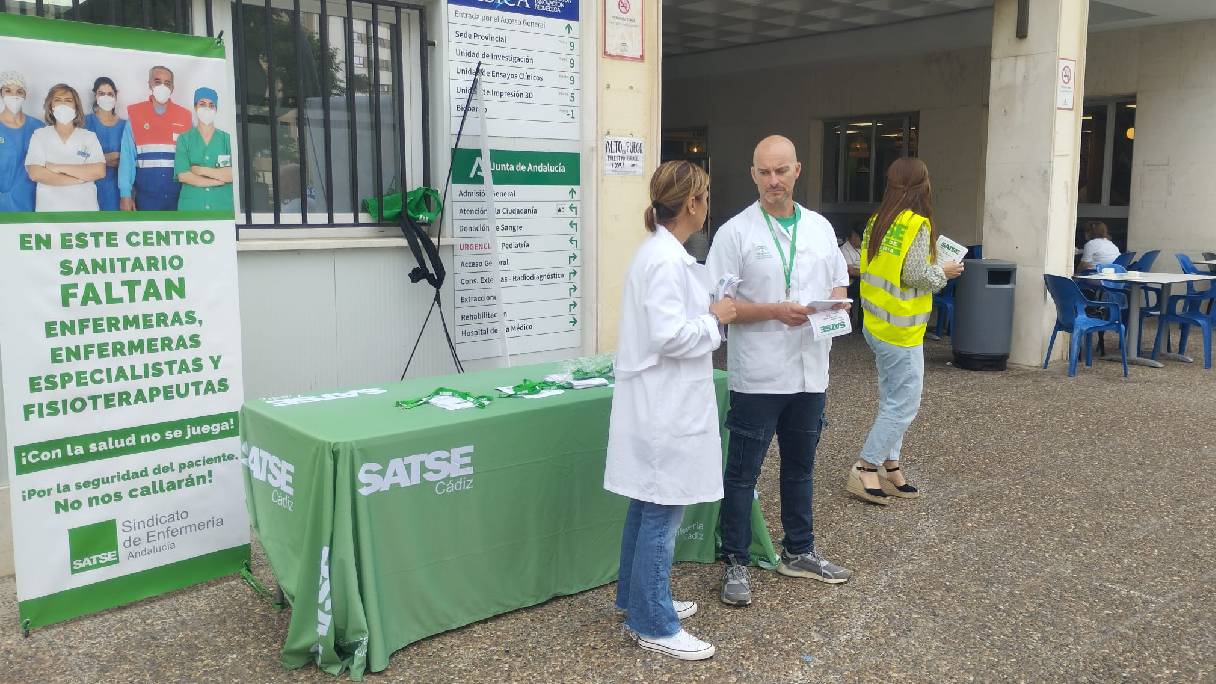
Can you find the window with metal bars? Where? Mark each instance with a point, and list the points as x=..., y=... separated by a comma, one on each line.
x=331, y=102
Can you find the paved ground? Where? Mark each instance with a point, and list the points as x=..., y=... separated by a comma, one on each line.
x=1066, y=535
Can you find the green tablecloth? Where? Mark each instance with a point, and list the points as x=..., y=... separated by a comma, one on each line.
x=384, y=526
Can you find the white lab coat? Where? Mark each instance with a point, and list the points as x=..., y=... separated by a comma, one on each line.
x=663, y=441
x=769, y=357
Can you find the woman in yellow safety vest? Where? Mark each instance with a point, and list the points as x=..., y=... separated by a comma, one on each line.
x=898, y=278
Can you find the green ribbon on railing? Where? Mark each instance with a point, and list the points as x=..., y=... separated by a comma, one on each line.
x=529, y=388
x=478, y=400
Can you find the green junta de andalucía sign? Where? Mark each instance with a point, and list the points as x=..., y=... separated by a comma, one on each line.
x=515, y=167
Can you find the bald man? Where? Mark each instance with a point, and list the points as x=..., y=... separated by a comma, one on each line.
x=787, y=256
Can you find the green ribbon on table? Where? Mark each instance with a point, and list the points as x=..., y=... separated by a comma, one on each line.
x=529, y=388
x=480, y=401
x=604, y=372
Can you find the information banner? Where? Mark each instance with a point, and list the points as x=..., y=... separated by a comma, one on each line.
x=120, y=335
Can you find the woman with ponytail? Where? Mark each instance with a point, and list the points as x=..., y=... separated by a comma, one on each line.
x=898, y=278
x=664, y=449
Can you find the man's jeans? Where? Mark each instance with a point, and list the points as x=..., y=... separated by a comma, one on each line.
x=797, y=420
x=643, y=586
x=901, y=376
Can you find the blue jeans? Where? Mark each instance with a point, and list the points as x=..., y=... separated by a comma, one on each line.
x=643, y=586
x=901, y=376
x=797, y=420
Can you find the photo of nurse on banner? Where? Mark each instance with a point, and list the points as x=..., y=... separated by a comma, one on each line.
x=85, y=128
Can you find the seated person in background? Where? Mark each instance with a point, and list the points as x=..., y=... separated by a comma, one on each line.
x=1098, y=247
x=852, y=258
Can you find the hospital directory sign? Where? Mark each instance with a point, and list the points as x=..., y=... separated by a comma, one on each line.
x=120, y=336
x=529, y=110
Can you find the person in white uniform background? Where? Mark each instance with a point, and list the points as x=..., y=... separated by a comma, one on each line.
x=65, y=158
x=664, y=448
x=1098, y=248
x=849, y=249
x=787, y=257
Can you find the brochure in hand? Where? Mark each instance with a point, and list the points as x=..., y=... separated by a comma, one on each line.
x=949, y=250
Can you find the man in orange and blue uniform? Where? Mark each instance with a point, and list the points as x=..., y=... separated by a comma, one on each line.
x=155, y=125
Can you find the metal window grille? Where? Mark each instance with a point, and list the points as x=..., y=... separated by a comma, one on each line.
x=324, y=116
x=319, y=128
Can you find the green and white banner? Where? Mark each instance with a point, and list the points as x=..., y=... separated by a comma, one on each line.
x=120, y=350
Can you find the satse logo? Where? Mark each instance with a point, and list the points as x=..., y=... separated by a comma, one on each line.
x=450, y=470
x=91, y=547
x=272, y=470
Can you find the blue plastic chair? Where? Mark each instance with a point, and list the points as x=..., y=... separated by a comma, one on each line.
x=943, y=302
x=1188, y=310
x=1071, y=317
x=1189, y=266
x=1125, y=258
x=1145, y=262
x=1115, y=290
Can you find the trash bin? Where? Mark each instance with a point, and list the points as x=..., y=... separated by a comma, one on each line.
x=983, y=314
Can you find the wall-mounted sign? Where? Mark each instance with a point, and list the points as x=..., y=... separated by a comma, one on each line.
x=623, y=25
x=1066, y=83
x=624, y=156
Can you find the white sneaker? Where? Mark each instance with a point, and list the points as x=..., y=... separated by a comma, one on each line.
x=680, y=645
x=684, y=610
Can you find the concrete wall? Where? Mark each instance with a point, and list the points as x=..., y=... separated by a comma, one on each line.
x=1172, y=71
x=948, y=89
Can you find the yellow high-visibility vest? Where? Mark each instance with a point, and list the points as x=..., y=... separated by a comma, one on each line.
x=894, y=314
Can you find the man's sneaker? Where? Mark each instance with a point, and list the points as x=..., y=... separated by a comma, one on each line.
x=812, y=565
x=680, y=645
x=684, y=610
x=735, y=589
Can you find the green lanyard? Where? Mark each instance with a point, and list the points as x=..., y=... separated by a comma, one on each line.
x=476, y=400
x=528, y=388
x=787, y=267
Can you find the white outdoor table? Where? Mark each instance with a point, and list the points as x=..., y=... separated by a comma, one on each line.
x=1136, y=279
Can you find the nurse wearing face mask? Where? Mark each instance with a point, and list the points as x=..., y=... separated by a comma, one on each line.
x=65, y=158
x=116, y=142
x=203, y=164
x=156, y=124
x=16, y=129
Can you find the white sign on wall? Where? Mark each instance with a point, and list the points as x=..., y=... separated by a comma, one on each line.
x=623, y=29
x=624, y=156
x=1066, y=86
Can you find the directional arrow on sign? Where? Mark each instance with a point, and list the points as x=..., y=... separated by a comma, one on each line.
x=573, y=289
x=573, y=225
x=572, y=193
x=573, y=306
x=573, y=208
x=573, y=321
x=572, y=258
x=569, y=28
x=573, y=242
x=573, y=274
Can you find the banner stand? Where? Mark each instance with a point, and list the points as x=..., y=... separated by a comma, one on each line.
x=120, y=339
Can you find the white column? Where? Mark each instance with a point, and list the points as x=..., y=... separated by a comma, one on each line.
x=1030, y=201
